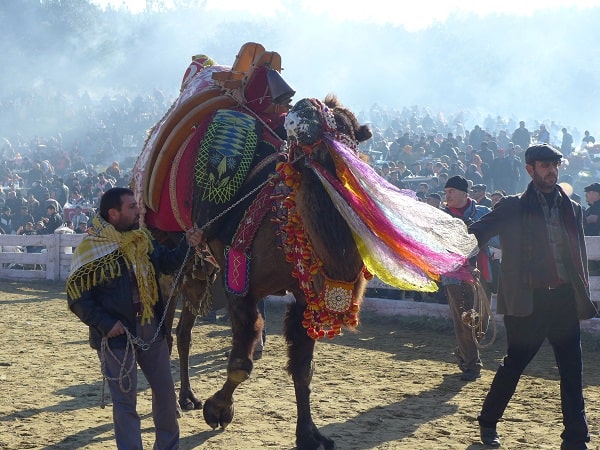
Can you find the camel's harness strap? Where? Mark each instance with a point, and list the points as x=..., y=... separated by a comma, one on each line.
x=134, y=342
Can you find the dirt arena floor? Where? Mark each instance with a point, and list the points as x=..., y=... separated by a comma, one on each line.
x=391, y=385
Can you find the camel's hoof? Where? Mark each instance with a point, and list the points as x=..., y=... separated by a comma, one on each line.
x=217, y=413
x=311, y=439
x=188, y=404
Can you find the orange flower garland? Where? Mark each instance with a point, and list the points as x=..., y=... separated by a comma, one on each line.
x=336, y=306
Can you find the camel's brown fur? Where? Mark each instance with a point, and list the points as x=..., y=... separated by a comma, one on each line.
x=271, y=274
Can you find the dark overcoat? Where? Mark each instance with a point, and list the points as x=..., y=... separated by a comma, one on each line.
x=515, y=297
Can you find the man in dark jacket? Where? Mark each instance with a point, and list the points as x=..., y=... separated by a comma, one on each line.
x=591, y=216
x=543, y=291
x=21, y=218
x=521, y=136
x=113, y=288
x=53, y=219
x=6, y=220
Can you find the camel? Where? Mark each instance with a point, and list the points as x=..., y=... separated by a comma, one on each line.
x=281, y=227
x=271, y=273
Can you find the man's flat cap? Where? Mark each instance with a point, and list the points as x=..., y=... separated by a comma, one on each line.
x=542, y=152
x=595, y=187
x=479, y=187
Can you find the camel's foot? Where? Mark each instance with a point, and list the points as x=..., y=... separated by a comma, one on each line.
x=189, y=402
x=309, y=438
x=218, y=412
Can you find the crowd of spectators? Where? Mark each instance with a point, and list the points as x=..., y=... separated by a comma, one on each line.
x=48, y=182
x=88, y=146
x=40, y=202
x=415, y=149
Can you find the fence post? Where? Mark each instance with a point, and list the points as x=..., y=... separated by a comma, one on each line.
x=53, y=266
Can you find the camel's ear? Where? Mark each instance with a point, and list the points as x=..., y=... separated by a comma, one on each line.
x=363, y=133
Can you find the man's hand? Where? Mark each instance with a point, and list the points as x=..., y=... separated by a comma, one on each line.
x=591, y=219
x=194, y=237
x=117, y=330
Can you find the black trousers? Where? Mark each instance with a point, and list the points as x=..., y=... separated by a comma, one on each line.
x=554, y=318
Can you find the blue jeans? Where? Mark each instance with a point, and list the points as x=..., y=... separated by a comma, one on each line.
x=555, y=318
x=156, y=366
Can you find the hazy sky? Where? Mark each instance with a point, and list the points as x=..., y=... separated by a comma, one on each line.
x=531, y=59
x=419, y=15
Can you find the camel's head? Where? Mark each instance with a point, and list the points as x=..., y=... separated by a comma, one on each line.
x=310, y=120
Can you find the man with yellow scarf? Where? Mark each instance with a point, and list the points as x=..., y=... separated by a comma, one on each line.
x=113, y=288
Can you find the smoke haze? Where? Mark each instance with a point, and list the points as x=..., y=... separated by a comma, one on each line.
x=541, y=67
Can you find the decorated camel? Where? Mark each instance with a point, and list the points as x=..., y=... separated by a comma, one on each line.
x=308, y=217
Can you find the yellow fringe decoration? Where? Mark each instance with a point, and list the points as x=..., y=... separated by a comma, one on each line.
x=96, y=260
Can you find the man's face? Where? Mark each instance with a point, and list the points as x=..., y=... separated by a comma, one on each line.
x=433, y=202
x=544, y=174
x=455, y=198
x=477, y=194
x=126, y=218
x=592, y=197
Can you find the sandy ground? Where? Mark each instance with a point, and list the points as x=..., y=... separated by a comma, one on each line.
x=391, y=385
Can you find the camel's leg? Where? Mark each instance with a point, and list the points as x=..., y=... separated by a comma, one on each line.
x=246, y=327
x=166, y=287
x=194, y=290
x=187, y=398
x=166, y=283
x=300, y=367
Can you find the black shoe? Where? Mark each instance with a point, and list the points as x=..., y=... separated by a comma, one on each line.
x=489, y=436
x=566, y=445
x=470, y=375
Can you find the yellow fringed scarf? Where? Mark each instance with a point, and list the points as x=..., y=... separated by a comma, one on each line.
x=96, y=259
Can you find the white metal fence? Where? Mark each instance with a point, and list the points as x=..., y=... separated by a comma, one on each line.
x=54, y=261
x=49, y=257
